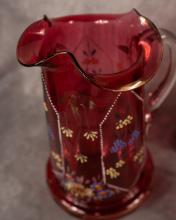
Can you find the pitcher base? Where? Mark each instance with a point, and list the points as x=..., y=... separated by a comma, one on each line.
x=142, y=190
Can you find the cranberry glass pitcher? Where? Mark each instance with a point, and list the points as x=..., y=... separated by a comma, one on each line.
x=95, y=69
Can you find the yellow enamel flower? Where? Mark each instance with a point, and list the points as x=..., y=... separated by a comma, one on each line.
x=112, y=173
x=135, y=158
x=59, y=165
x=56, y=156
x=120, y=163
x=129, y=117
x=81, y=158
x=139, y=156
x=58, y=159
x=91, y=135
x=67, y=132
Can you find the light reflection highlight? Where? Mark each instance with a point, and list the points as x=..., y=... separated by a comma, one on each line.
x=101, y=21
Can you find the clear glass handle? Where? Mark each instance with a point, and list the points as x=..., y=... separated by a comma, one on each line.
x=163, y=81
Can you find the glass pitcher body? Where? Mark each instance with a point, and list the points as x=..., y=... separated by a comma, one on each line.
x=94, y=72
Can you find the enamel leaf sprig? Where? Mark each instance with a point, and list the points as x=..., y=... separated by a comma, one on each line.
x=67, y=132
x=81, y=158
x=112, y=173
x=123, y=123
x=91, y=135
x=120, y=164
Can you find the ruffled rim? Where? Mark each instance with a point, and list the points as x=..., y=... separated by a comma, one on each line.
x=94, y=78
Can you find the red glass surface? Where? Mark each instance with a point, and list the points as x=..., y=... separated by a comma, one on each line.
x=93, y=69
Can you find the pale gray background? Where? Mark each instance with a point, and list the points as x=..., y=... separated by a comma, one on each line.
x=23, y=136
